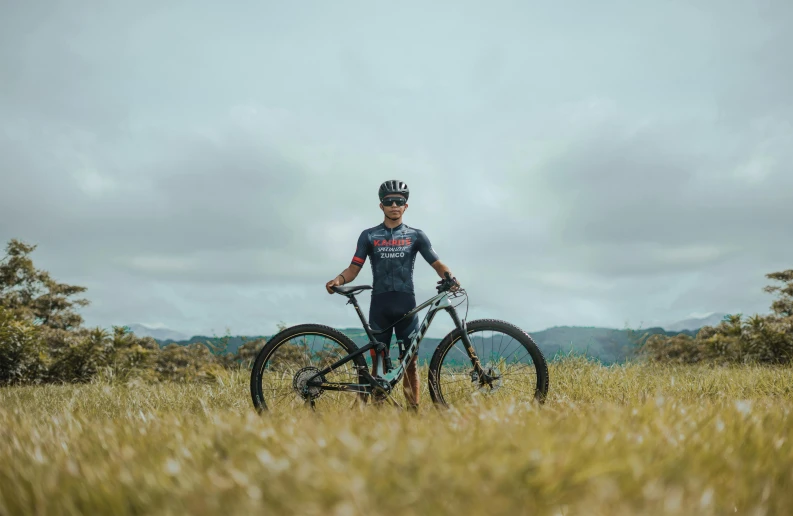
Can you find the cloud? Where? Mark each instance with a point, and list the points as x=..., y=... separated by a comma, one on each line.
x=203, y=167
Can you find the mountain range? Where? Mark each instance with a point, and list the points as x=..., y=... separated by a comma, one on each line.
x=695, y=323
x=605, y=344
x=158, y=333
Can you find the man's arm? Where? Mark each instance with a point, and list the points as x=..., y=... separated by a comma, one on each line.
x=346, y=276
x=350, y=273
x=441, y=268
x=352, y=270
x=429, y=254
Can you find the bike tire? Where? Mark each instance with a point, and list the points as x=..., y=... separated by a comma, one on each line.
x=523, y=338
x=276, y=341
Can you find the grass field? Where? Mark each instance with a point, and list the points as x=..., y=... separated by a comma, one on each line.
x=636, y=439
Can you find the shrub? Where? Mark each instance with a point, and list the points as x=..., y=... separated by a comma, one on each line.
x=758, y=339
x=193, y=362
x=22, y=355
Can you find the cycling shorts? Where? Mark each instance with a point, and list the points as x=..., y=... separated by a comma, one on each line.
x=386, y=309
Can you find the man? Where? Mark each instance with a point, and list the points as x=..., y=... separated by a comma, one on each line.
x=392, y=247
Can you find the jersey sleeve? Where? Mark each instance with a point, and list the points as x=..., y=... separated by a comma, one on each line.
x=361, y=250
x=425, y=248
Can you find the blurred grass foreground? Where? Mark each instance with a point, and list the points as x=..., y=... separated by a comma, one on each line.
x=644, y=438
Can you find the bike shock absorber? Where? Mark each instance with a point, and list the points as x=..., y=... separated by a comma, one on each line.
x=381, y=360
x=401, y=348
x=387, y=365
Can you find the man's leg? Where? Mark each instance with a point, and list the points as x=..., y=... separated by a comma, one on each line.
x=410, y=384
x=379, y=319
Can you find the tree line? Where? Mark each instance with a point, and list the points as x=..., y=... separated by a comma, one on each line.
x=43, y=339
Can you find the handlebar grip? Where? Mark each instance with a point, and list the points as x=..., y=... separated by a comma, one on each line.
x=446, y=283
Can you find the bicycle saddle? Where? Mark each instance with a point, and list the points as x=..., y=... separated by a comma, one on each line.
x=351, y=290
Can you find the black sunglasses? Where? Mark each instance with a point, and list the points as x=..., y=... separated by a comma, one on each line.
x=400, y=201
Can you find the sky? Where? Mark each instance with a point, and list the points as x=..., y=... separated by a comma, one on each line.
x=209, y=168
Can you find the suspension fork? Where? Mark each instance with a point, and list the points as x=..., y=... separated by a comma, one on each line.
x=469, y=348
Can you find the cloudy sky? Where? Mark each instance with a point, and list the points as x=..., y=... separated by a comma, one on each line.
x=205, y=167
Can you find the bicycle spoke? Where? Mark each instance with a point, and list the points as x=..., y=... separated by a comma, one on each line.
x=283, y=378
x=508, y=368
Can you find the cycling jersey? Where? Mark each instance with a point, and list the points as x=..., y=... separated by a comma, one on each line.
x=393, y=254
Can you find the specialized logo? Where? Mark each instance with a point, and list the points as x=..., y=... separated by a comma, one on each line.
x=394, y=248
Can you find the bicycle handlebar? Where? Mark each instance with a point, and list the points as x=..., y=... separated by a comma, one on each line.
x=442, y=286
x=447, y=283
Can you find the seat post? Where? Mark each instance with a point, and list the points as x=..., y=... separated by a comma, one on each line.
x=365, y=324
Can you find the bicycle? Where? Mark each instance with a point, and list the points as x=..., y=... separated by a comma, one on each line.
x=296, y=379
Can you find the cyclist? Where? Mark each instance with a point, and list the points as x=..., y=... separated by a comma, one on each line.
x=392, y=247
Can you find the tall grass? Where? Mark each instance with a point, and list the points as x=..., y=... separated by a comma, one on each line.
x=633, y=439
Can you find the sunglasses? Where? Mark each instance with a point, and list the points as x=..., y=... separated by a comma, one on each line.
x=400, y=201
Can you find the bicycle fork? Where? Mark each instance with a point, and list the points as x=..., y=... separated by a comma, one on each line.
x=469, y=348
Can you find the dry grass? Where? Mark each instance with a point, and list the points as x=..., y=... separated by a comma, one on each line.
x=636, y=439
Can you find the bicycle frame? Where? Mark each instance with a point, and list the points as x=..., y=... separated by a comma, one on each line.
x=435, y=304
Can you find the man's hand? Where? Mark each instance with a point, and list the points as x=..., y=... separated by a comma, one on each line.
x=454, y=287
x=442, y=270
x=335, y=282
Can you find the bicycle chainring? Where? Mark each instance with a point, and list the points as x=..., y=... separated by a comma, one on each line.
x=381, y=394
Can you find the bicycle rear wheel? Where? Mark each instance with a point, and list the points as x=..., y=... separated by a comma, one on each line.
x=515, y=367
x=290, y=358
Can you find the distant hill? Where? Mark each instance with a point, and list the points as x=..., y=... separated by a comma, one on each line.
x=159, y=334
x=695, y=323
x=606, y=344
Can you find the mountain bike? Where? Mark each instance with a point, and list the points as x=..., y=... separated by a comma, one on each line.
x=292, y=370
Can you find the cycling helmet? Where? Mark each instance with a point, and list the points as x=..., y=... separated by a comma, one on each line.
x=393, y=187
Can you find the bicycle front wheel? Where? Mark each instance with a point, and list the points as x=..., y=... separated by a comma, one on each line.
x=514, y=367
x=293, y=356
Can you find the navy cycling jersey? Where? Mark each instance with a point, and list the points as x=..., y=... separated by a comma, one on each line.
x=393, y=254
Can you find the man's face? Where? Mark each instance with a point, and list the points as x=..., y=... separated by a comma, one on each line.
x=391, y=205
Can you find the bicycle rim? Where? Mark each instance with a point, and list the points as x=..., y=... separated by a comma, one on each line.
x=280, y=378
x=514, y=368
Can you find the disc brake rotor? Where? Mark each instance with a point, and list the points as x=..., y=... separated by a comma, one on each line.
x=490, y=382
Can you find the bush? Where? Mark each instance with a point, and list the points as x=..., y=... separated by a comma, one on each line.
x=42, y=338
x=32, y=353
x=82, y=355
x=22, y=355
x=758, y=339
x=194, y=362
x=246, y=354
